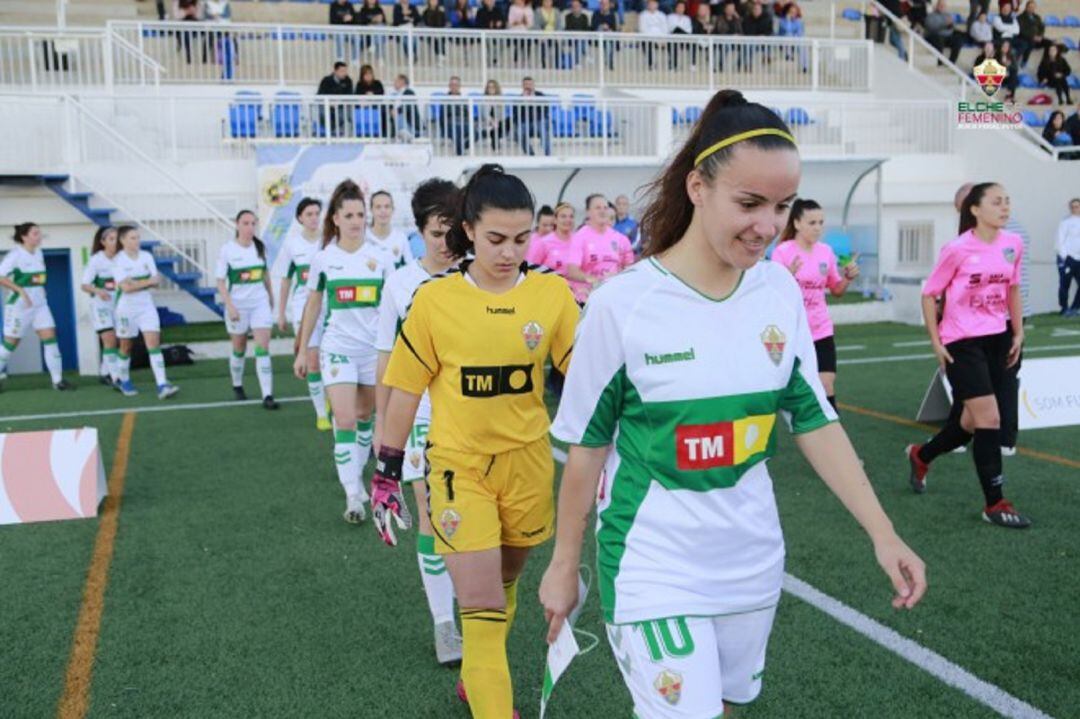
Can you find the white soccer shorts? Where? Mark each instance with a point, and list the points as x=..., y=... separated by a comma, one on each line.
x=251, y=318
x=688, y=667
x=348, y=369
x=414, y=468
x=130, y=321
x=18, y=318
x=102, y=315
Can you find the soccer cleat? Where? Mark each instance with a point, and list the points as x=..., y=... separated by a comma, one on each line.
x=106, y=380
x=239, y=394
x=355, y=512
x=63, y=386
x=919, y=469
x=1008, y=451
x=460, y=688
x=1003, y=514
x=269, y=402
x=127, y=388
x=164, y=391
x=447, y=643
x=323, y=424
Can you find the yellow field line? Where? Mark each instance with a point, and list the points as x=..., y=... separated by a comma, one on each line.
x=76, y=698
x=1034, y=454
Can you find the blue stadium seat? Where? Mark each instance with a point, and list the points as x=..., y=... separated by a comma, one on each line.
x=958, y=18
x=253, y=97
x=1074, y=82
x=676, y=118
x=851, y=14
x=285, y=114
x=691, y=115
x=1028, y=81
x=563, y=123
x=435, y=108
x=602, y=124
x=367, y=121
x=1052, y=21
x=1071, y=21
x=796, y=116
x=1070, y=43
x=245, y=112
x=1033, y=119
x=584, y=106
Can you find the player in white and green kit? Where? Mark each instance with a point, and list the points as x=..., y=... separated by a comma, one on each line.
x=99, y=283
x=382, y=232
x=678, y=420
x=433, y=210
x=292, y=266
x=346, y=275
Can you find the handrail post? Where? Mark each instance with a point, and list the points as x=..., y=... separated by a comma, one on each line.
x=602, y=57
x=712, y=64
x=483, y=53
x=281, y=56
x=410, y=61
x=109, y=69
x=33, y=65
x=832, y=20
x=815, y=65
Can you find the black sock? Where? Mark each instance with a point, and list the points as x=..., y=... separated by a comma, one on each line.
x=951, y=436
x=988, y=464
x=832, y=401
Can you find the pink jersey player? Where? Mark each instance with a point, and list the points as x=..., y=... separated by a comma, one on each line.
x=558, y=254
x=816, y=272
x=605, y=252
x=975, y=277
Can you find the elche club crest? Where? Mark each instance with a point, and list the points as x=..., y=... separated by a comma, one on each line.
x=372, y=264
x=668, y=685
x=774, y=341
x=990, y=74
x=449, y=520
x=1010, y=255
x=532, y=333
x=277, y=193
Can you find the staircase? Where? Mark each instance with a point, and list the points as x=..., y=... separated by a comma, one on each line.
x=165, y=257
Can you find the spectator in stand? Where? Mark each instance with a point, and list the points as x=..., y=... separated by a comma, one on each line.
x=454, y=117
x=406, y=114
x=548, y=20
x=605, y=19
x=917, y=11
x=519, y=18
x=406, y=16
x=1032, y=33
x=461, y=16
x=532, y=118
x=190, y=11
x=343, y=13
x=1068, y=259
x=941, y=32
x=1005, y=25
x=678, y=23
x=727, y=23
x=336, y=83
x=1072, y=126
x=980, y=30
x=976, y=7
x=1006, y=57
x=577, y=21
x=701, y=24
x=1054, y=72
x=371, y=15
x=988, y=51
x=757, y=23
x=1054, y=132
x=624, y=223
x=367, y=84
x=897, y=9
x=651, y=23
x=489, y=17
x=791, y=25
x=493, y=119
x=435, y=17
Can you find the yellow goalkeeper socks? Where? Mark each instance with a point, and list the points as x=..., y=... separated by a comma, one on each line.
x=484, y=668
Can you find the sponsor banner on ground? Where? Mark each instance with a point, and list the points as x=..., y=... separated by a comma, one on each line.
x=50, y=476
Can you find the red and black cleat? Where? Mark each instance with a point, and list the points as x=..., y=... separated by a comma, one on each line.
x=1003, y=514
x=919, y=469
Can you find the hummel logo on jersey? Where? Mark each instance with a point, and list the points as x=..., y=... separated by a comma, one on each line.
x=501, y=310
x=669, y=357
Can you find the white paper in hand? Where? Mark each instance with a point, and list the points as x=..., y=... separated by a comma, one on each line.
x=561, y=652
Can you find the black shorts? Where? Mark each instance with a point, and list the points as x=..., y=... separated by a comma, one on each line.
x=978, y=366
x=826, y=354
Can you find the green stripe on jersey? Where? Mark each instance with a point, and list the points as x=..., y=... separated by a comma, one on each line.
x=353, y=294
x=246, y=275
x=104, y=283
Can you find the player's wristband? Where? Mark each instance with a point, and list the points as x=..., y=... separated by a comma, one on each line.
x=389, y=463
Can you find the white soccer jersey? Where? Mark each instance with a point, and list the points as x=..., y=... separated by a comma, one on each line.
x=294, y=262
x=99, y=273
x=396, y=244
x=27, y=270
x=686, y=389
x=244, y=273
x=140, y=267
x=352, y=285
x=397, y=296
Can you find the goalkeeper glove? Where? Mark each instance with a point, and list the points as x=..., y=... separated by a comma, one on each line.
x=387, y=502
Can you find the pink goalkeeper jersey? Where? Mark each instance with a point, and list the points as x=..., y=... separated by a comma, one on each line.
x=604, y=253
x=557, y=254
x=817, y=274
x=975, y=277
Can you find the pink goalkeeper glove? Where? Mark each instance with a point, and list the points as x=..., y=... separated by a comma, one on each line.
x=387, y=502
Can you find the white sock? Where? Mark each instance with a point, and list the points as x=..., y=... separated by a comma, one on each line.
x=348, y=471
x=103, y=365
x=157, y=363
x=236, y=368
x=363, y=442
x=123, y=367
x=437, y=584
x=53, y=361
x=110, y=361
x=5, y=353
x=318, y=394
x=264, y=371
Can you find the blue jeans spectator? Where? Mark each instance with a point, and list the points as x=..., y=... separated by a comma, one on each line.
x=529, y=128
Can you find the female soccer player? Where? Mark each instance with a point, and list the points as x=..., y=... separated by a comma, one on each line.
x=244, y=285
x=98, y=282
x=679, y=420
x=135, y=272
x=813, y=264
x=291, y=266
x=347, y=274
x=978, y=275
x=433, y=204
x=545, y=223
x=383, y=234
x=604, y=250
x=477, y=339
x=22, y=272
x=561, y=253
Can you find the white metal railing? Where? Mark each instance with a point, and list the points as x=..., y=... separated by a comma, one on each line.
x=250, y=53
x=58, y=59
x=922, y=56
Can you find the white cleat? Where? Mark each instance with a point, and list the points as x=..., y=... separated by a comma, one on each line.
x=447, y=643
x=355, y=510
x=1008, y=451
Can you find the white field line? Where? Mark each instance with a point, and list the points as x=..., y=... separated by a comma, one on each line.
x=912, y=343
x=164, y=407
x=930, y=355
x=850, y=348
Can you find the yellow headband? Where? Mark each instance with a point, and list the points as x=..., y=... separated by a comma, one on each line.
x=727, y=142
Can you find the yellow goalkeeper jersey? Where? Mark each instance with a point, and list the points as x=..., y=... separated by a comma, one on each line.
x=481, y=357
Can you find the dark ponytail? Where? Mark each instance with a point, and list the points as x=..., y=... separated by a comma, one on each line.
x=346, y=190
x=973, y=199
x=260, y=248
x=669, y=210
x=21, y=231
x=798, y=209
x=433, y=198
x=489, y=188
x=99, y=239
